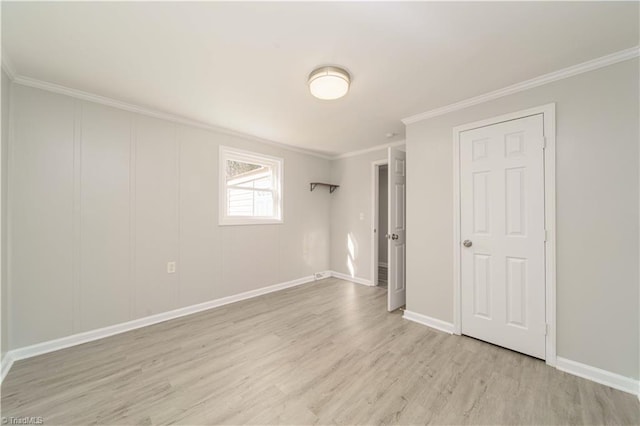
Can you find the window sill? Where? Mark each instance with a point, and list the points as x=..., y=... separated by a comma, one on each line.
x=248, y=221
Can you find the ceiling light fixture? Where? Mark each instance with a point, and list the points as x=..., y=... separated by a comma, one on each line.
x=329, y=83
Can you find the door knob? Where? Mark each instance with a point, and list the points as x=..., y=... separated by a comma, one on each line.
x=394, y=237
x=467, y=243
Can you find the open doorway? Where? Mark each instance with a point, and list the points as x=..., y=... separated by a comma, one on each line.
x=383, y=223
x=380, y=222
x=388, y=237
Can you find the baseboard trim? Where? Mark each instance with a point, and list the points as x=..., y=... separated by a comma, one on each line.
x=7, y=362
x=575, y=368
x=89, y=336
x=598, y=375
x=440, y=325
x=356, y=280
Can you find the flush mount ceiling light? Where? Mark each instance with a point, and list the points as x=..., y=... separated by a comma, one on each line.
x=329, y=83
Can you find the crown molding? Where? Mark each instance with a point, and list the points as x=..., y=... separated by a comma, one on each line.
x=364, y=151
x=91, y=97
x=571, y=71
x=623, y=55
x=103, y=100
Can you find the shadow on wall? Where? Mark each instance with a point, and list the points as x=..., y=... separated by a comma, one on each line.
x=352, y=254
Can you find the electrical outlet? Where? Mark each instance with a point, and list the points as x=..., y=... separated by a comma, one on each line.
x=320, y=275
x=171, y=267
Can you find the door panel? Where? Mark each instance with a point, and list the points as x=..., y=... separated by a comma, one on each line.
x=482, y=285
x=502, y=216
x=481, y=203
x=515, y=201
x=517, y=291
x=397, y=229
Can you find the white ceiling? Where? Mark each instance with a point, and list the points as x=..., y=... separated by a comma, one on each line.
x=243, y=66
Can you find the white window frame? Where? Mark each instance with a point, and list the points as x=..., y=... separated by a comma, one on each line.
x=277, y=165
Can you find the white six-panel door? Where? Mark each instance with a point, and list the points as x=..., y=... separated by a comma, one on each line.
x=502, y=234
x=396, y=293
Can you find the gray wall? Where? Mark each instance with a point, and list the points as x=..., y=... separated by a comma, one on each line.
x=101, y=199
x=4, y=320
x=383, y=219
x=351, y=248
x=597, y=213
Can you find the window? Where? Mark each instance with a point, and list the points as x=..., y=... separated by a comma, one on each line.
x=250, y=188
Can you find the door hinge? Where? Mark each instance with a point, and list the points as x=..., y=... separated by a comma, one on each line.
x=546, y=329
x=545, y=235
x=544, y=142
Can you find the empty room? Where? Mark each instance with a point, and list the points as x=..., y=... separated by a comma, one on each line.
x=301, y=213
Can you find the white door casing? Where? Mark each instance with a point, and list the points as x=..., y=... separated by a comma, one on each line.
x=396, y=294
x=502, y=216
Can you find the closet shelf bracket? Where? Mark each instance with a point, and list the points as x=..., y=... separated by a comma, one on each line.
x=331, y=186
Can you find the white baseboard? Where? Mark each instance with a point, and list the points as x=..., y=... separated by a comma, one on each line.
x=356, y=280
x=598, y=375
x=322, y=275
x=7, y=362
x=89, y=336
x=447, y=327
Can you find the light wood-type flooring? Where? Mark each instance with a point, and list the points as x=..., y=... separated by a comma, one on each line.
x=322, y=353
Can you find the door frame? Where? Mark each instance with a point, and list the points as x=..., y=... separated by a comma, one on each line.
x=548, y=112
x=375, y=204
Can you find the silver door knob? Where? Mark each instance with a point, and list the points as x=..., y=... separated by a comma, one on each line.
x=467, y=243
x=394, y=237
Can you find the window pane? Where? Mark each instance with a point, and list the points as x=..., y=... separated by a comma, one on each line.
x=263, y=203
x=240, y=202
x=236, y=168
x=247, y=202
x=264, y=182
x=250, y=187
x=246, y=175
x=258, y=179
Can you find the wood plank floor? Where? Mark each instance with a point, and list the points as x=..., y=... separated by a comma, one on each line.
x=322, y=353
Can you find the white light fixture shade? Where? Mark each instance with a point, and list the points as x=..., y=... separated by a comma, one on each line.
x=329, y=83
